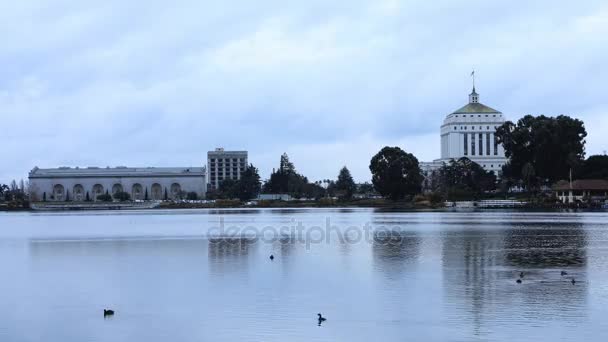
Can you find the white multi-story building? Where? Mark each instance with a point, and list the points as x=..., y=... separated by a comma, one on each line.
x=470, y=132
x=80, y=184
x=224, y=165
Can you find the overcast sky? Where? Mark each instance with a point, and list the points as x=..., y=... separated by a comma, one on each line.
x=159, y=83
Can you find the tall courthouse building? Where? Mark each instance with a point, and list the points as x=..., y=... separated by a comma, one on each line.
x=470, y=132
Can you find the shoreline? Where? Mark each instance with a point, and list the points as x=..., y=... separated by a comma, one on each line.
x=423, y=206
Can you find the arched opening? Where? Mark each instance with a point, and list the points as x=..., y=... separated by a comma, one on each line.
x=176, y=190
x=157, y=192
x=78, y=193
x=116, y=188
x=97, y=190
x=137, y=192
x=58, y=192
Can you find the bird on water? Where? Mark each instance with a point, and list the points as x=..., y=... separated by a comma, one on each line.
x=564, y=273
x=108, y=313
x=321, y=319
x=271, y=257
x=518, y=281
x=521, y=274
x=573, y=281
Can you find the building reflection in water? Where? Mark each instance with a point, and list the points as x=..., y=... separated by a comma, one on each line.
x=230, y=254
x=480, y=268
x=394, y=251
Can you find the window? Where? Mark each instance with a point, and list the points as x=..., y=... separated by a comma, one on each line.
x=487, y=144
x=466, y=144
x=480, y=144
x=487, y=127
x=465, y=128
x=454, y=127
x=472, y=144
x=492, y=166
x=496, y=146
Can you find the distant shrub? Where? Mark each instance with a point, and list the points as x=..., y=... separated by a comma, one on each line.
x=192, y=196
x=121, y=196
x=105, y=198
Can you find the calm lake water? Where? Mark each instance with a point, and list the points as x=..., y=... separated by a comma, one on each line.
x=206, y=276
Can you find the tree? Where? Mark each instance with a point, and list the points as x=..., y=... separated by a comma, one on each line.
x=4, y=189
x=552, y=146
x=345, y=186
x=67, y=195
x=44, y=196
x=595, y=167
x=528, y=176
x=87, y=197
x=249, y=185
x=166, y=197
x=464, y=179
x=395, y=173
x=192, y=196
x=146, y=195
x=286, y=180
x=122, y=196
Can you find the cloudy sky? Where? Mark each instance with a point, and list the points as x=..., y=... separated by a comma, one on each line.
x=159, y=83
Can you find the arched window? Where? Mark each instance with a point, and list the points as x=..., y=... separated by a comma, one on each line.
x=58, y=192
x=78, y=193
x=97, y=190
x=157, y=192
x=137, y=192
x=176, y=190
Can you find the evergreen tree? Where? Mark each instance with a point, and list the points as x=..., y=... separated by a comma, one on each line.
x=146, y=194
x=166, y=195
x=249, y=186
x=87, y=198
x=345, y=186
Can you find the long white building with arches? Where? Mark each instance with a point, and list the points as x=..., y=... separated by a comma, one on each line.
x=146, y=183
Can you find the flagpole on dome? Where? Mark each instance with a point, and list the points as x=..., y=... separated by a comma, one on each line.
x=473, y=75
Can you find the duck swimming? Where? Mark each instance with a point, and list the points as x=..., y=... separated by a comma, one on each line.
x=521, y=274
x=573, y=281
x=108, y=313
x=518, y=281
x=564, y=273
x=271, y=257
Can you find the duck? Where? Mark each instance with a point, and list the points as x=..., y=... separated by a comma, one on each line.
x=321, y=318
x=107, y=312
x=573, y=281
x=521, y=274
x=271, y=257
x=518, y=281
x=564, y=273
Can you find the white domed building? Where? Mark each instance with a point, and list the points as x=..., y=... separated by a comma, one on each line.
x=470, y=132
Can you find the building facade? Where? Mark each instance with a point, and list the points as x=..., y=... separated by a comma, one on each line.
x=146, y=183
x=471, y=132
x=224, y=165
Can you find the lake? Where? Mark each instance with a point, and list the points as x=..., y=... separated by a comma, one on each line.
x=205, y=275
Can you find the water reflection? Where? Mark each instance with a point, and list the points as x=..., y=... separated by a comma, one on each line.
x=543, y=245
x=393, y=251
x=480, y=267
x=230, y=254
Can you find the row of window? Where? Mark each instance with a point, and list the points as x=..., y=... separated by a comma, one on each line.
x=479, y=115
x=479, y=148
x=234, y=160
x=473, y=127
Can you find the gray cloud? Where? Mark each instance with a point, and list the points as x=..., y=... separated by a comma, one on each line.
x=147, y=83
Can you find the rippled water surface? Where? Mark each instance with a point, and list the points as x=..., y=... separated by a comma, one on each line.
x=175, y=276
